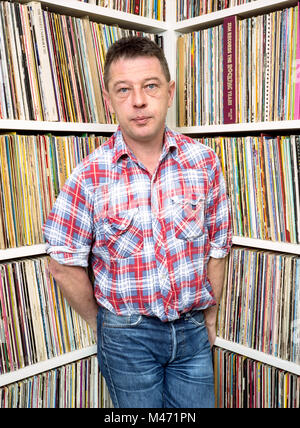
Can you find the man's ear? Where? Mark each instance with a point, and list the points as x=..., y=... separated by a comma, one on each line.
x=108, y=101
x=171, y=92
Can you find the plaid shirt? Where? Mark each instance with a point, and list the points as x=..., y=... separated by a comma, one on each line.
x=149, y=237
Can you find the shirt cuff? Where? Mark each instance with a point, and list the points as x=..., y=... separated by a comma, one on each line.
x=219, y=253
x=69, y=256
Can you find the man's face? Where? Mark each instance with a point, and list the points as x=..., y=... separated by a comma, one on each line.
x=139, y=94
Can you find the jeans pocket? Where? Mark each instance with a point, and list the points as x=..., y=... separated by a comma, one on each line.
x=197, y=317
x=112, y=320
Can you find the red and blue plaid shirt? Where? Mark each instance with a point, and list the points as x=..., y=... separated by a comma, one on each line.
x=149, y=237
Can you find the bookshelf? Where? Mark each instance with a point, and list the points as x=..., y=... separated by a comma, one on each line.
x=170, y=30
x=97, y=14
x=70, y=127
x=285, y=125
x=237, y=129
x=258, y=356
x=35, y=369
x=243, y=10
x=104, y=15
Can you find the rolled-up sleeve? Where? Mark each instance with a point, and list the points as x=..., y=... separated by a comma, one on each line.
x=68, y=230
x=218, y=218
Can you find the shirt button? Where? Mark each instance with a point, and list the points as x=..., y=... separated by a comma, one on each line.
x=163, y=276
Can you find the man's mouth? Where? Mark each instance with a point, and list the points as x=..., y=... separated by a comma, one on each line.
x=141, y=120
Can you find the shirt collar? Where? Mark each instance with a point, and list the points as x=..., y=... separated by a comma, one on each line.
x=121, y=149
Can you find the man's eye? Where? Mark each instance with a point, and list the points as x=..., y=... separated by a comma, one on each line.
x=151, y=86
x=123, y=90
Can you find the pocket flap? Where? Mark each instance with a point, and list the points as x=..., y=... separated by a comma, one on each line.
x=122, y=220
x=192, y=199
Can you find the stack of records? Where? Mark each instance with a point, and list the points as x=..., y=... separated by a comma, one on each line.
x=33, y=168
x=241, y=71
x=191, y=8
x=260, y=305
x=76, y=385
x=51, y=65
x=241, y=382
x=36, y=321
x=263, y=182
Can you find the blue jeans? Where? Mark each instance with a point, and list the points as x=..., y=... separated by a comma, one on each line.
x=151, y=364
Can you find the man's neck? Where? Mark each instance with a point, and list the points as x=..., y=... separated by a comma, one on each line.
x=147, y=152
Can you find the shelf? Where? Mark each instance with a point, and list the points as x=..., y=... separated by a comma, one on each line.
x=43, y=366
x=103, y=14
x=28, y=251
x=282, y=247
x=234, y=128
x=259, y=356
x=40, y=126
x=243, y=11
x=170, y=30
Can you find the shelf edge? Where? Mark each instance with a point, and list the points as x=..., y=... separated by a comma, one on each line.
x=259, y=356
x=261, y=244
x=241, y=127
x=43, y=366
x=243, y=10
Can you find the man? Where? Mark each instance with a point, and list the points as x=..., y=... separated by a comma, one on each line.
x=150, y=208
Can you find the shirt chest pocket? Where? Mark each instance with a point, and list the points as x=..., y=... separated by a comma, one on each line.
x=188, y=216
x=124, y=234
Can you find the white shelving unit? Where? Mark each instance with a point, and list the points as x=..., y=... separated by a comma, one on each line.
x=106, y=16
x=37, y=126
x=36, y=250
x=292, y=126
x=285, y=125
x=258, y=356
x=244, y=10
x=28, y=251
x=281, y=247
x=103, y=15
x=170, y=30
x=47, y=365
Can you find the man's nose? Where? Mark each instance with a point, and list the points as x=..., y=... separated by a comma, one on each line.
x=139, y=98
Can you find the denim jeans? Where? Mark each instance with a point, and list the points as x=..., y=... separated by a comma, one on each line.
x=151, y=364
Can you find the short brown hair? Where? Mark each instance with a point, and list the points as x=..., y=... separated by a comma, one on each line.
x=132, y=47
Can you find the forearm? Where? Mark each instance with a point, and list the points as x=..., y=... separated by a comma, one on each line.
x=215, y=273
x=76, y=287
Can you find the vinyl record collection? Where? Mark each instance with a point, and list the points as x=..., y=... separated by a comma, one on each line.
x=241, y=382
x=248, y=66
x=75, y=385
x=154, y=9
x=33, y=168
x=36, y=322
x=51, y=65
x=263, y=182
x=51, y=69
x=260, y=306
x=191, y=8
